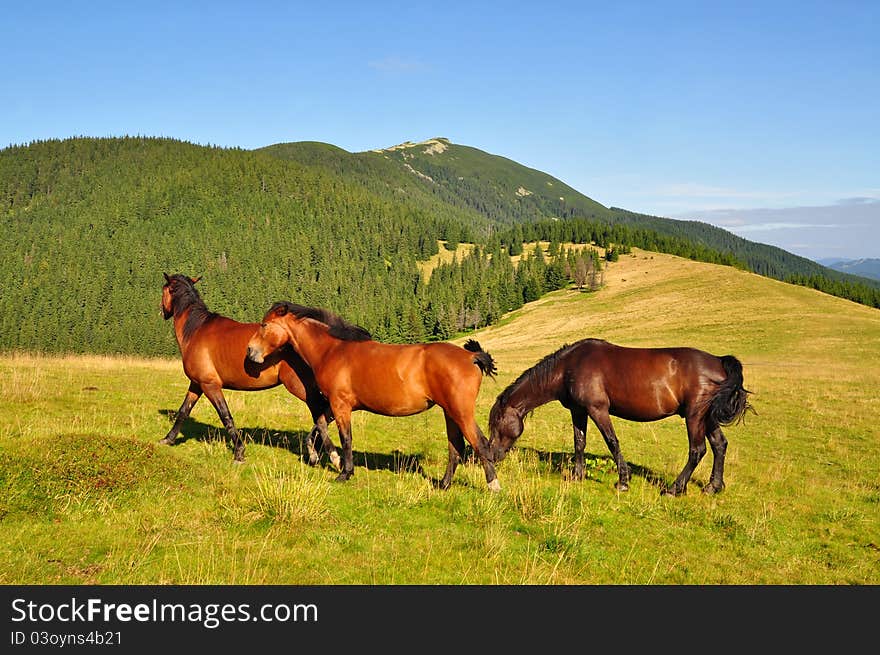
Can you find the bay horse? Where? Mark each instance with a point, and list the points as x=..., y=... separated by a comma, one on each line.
x=356, y=373
x=597, y=379
x=214, y=349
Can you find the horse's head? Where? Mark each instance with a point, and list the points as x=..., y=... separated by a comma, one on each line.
x=505, y=427
x=270, y=336
x=174, y=284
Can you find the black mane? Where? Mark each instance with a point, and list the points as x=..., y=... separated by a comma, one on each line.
x=185, y=295
x=539, y=375
x=338, y=326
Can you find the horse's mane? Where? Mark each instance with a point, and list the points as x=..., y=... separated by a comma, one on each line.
x=538, y=376
x=338, y=326
x=185, y=295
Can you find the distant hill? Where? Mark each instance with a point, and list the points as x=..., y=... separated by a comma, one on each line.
x=869, y=268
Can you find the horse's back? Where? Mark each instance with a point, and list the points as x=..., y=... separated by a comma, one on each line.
x=400, y=379
x=640, y=383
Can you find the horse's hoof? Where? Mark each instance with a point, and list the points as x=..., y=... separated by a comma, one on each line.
x=336, y=461
x=670, y=491
x=711, y=490
x=622, y=486
x=343, y=477
x=495, y=486
x=166, y=441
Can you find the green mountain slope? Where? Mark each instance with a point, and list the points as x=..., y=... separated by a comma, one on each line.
x=506, y=193
x=90, y=225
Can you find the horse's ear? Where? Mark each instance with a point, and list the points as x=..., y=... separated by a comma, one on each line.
x=196, y=279
x=167, y=279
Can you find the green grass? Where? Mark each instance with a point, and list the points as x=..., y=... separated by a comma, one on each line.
x=88, y=496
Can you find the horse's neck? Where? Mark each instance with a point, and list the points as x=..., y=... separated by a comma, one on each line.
x=528, y=395
x=179, y=321
x=312, y=341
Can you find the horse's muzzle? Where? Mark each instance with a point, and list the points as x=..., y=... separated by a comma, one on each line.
x=254, y=355
x=496, y=452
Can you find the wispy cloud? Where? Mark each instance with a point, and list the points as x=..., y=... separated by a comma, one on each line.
x=693, y=190
x=848, y=226
x=396, y=65
x=741, y=226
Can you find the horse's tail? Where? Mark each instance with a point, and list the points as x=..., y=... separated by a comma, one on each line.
x=731, y=401
x=481, y=358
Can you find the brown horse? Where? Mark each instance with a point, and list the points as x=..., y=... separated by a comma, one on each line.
x=596, y=379
x=213, y=350
x=357, y=373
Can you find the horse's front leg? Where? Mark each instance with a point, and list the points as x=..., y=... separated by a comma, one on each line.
x=603, y=421
x=343, y=425
x=215, y=395
x=192, y=395
x=579, y=424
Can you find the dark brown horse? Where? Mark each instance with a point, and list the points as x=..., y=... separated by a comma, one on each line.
x=214, y=348
x=357, y=373
x=596, y=379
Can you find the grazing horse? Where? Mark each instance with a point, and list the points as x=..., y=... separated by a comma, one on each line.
x=596, y=379
x=213, y=350
x=357, y=373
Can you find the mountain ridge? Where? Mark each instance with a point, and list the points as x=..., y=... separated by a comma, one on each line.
x=456, y=175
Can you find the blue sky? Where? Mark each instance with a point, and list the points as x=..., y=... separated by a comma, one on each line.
x=703, y=110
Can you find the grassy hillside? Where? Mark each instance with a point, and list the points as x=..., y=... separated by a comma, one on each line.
x=79, y=459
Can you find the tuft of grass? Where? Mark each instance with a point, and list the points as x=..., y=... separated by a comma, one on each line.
x=289, y=497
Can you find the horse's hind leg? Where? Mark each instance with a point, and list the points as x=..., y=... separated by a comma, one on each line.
x=320, y=428
x=215, y=395
x=719, y=448
x=696, y=430
x=192, y=395
x=456, y=451
x=475, y=437
x=603, y=421
x=579, y=425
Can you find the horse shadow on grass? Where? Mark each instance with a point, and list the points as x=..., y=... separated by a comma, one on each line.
x=399, y=462
x=563, y=463
x=295, y=442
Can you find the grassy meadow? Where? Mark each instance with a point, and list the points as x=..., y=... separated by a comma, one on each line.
x=88, y=496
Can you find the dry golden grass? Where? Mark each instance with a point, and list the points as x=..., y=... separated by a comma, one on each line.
x=444, y=256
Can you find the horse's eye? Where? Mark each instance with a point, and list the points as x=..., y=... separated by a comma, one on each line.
x=262, y=326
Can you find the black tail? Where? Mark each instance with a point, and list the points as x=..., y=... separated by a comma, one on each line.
x=482, y=358
x=732, y=401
